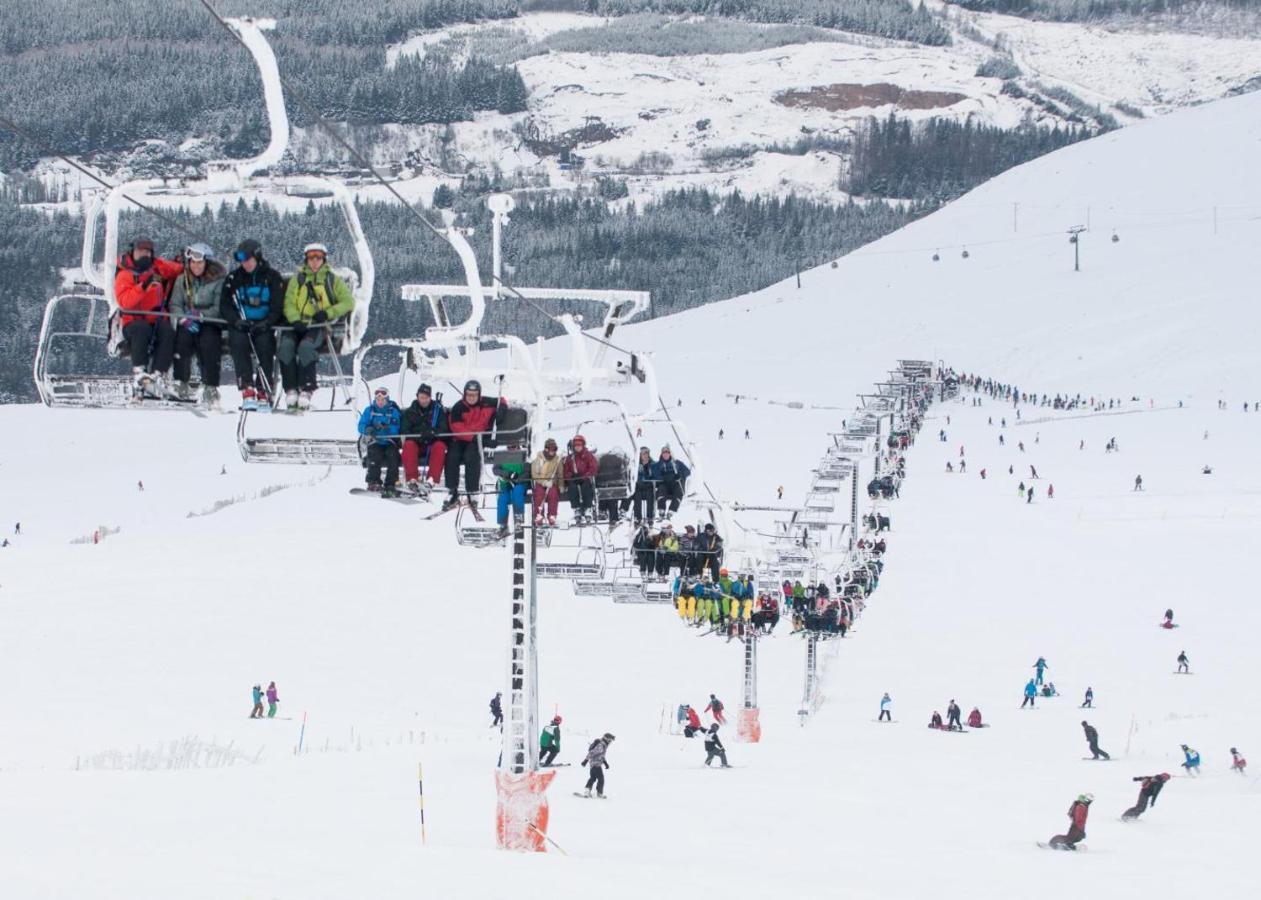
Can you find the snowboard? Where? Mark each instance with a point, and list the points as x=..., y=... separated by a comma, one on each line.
x=1046, y=846
x=1176, y=672
x=592, y=797
x=1092, y=759
x=401, y=498
x=885, y=721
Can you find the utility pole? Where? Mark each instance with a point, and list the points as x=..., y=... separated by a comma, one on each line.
x=1074, y=238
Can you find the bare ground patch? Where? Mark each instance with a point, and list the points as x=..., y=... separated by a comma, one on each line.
x=838, y=97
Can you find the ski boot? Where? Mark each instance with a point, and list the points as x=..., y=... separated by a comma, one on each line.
x=291, y=401
x=502, y=532
x=389, y=492
x=374, y=487
x=210, y=397
x=183, y=390
x=304, y=400
x=451, y=503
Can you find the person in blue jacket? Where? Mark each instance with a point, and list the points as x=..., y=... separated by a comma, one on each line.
x=1041, y=666
x=671, y=477
x=1031, y=693
x=1192, y=764
x=382, y=423
x=644, y=497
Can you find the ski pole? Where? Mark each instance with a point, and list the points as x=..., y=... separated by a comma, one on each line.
x=420, y=782
x=301, y=734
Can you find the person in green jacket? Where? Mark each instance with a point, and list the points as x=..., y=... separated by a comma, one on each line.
x=514, y=476
x=549, y=742
x=314, y=300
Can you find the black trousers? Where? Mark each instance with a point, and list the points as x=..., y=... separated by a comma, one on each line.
x=383, y=455
x=596, y=780
x=206, y=345
x=469, y=455
x=644, y=498
x=720, y=755
x=670, y=492
x=243, y=357
x=546, y=757
x=152, y=344
x=581, y=493
x=1094, y=748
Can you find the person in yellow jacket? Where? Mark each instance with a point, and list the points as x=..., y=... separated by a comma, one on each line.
x=314, y=300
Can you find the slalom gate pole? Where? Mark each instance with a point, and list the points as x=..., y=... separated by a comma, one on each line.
x=301, y=734
x=548, y=839
x=420, y=782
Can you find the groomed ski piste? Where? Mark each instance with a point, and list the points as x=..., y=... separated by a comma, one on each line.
x=129, y=768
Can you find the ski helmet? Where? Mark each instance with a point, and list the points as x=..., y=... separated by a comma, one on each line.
x=315, y=247
x=608, y=737
x=472, y=385
x=197, y=251
x=579, y=439
x=381, y=391
x=556, y=720
x=246, y=249
x=1085, y=798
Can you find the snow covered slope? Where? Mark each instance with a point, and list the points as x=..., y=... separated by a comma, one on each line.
x=123, y=656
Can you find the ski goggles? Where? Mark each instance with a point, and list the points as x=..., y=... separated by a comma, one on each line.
x=241, y=256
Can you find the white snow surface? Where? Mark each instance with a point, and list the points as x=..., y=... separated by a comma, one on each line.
x=391, y=639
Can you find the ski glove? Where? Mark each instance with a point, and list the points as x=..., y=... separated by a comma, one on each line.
x=320, y=317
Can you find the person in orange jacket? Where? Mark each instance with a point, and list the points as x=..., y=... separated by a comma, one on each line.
x=141, y=287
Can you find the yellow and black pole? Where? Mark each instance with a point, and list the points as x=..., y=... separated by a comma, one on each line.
x=420, y=782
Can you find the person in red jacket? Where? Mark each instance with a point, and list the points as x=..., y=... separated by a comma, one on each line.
x=693, y=722
x=470, y=419
x=580, y=470
x=141, y=286
x=1077, y=824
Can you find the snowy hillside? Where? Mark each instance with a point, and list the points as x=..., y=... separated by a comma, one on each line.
x=124, y=656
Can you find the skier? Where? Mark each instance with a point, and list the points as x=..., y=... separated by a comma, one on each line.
x=1089, y=702
x=273, y=699
x=1138, y=482
x=315, y=299
x=580, y=470
x=251, y=305
x=380, y=423
x=1041, y=666
x=595, y=758
x=1077, y=814
x=715, y=708
x=886, y=714
x=547, y=475
x=469, y=419
x=1192, y=763
x=140, y=287
x=714, y=750
x=693, y=722
x=549, y=742
x=952, y=717
x=974, y=718
x=1092, y=740
x=1148, y=791
x=424, y=421
x=257, y=694
x=1184, y=664
x=1031, y=693
x=671, y=475
x=645, y=487
x=1237, y=762
x=194, y=299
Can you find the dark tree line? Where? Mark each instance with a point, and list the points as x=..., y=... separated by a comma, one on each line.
x=1089, y=10
x=689, y=248
x=939, y=159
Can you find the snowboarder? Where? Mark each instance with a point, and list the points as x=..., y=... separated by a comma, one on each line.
x=470, y=420
x=746, y=434
x=140, y=484
x=273, y=699
x=315, y=299
x=381, y=423
x=496, y=710
x=1192, y=762
x=252, y=304
x=1168, y=623
x=779, y=493
x=1138, y=482
x=974, y=718
x=1089, y=702
x=714, y=750
x=1050, y=492
x=886, y=714
x=424, y=421
x=1029, y=496
x=1237, y=762
x=1033, y=472
x=720, y=434
x=597, y=762
x=17, y=529
x=1092, y=740
x=1041, y=666
x=1184, y=664
x=1031, y=693
x=953, y=714
x=715, y=708
x=1148, y=791
x=549, y=742
x=982, y=474
x=1077, y=814
x=935, y=721
x=257, y=694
